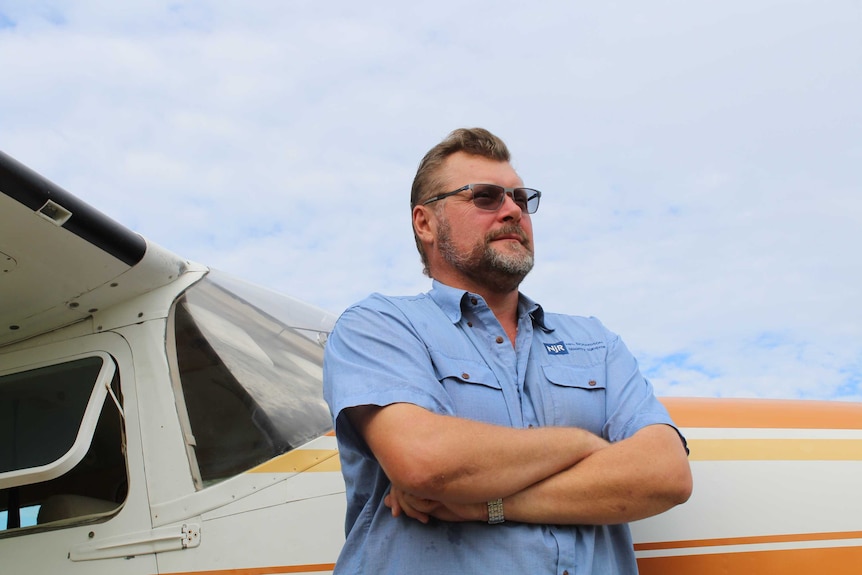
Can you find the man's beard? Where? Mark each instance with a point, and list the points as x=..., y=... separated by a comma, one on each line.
x=484, y=264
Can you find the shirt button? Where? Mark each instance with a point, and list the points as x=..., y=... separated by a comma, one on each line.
x=465, y=376
x=566, y=572
x=474, y=301
x=592, y=383
x=499, y=339
x=469, y=324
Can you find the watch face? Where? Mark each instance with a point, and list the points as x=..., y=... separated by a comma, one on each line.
x=495, y=512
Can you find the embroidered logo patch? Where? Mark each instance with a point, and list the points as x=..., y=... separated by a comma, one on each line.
x=564, y=348
x=557, y=348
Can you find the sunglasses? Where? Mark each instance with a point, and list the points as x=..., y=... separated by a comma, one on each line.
x=490, y=197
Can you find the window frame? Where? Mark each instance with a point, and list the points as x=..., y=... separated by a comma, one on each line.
x=86, y=430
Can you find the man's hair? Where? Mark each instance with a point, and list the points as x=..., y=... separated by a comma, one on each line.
x=473, y=141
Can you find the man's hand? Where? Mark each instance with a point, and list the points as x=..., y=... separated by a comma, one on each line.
x=424, y=509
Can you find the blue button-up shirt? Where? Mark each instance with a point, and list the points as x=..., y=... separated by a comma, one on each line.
x=446, y=352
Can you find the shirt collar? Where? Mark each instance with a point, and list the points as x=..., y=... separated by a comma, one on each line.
x=450, y=299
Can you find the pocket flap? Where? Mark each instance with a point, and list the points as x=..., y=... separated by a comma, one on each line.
x=575, y=376
x=464, y=370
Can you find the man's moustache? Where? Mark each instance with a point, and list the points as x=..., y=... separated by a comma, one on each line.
x=510, y=230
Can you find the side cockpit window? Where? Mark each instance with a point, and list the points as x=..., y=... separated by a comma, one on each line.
x=61, y=444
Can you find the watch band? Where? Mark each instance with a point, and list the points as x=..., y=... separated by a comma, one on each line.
x=495, y=512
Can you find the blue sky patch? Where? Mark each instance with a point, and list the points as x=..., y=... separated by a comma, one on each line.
x=6, y=22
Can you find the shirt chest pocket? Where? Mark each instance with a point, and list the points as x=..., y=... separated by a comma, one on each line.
x=474, y=390
x=576, y=396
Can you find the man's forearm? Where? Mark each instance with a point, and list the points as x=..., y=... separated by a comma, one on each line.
x=462, y=461
x=635, y=478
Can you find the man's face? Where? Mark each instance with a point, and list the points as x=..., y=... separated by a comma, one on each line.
x=487, y=249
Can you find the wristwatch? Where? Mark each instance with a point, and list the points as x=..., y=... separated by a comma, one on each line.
x=495, y=512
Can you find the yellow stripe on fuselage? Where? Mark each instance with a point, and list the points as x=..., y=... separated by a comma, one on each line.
x=326, y=460
x=775, y=449
x=315, y=460
x=695, y=415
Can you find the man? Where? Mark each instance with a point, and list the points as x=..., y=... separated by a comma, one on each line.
x=478, y=433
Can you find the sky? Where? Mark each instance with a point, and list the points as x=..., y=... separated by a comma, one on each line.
x=700, y=163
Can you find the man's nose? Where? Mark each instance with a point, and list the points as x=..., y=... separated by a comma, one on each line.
x=510, y=210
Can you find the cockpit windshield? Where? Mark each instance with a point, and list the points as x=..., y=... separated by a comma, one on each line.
x=247, y=366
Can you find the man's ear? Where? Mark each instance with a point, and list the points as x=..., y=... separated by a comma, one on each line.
x=425, y=224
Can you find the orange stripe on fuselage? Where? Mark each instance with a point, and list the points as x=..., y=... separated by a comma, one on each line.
x=274, y=570
x=831, y=560
x=756, y=540
x=763, y=413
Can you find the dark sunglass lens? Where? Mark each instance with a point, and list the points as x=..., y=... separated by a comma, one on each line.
x=487, y=196
x=531, y=200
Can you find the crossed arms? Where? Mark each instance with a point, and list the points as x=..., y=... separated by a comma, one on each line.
x=448, y=468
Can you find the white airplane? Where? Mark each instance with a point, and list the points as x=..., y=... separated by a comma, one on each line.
x=159, y=417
